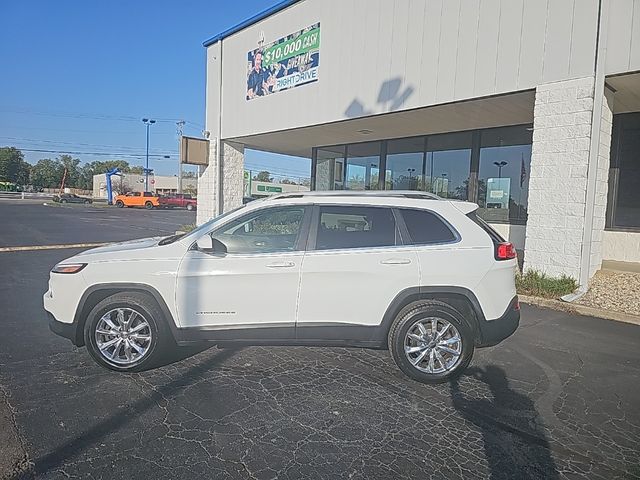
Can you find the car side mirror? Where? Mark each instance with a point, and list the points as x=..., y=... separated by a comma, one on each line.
x=208, y=244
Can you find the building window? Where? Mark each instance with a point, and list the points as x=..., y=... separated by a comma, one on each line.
x=624, y=199
x=363, y=166
x=503, y=176
x=406, y=165
x=490, y=167
x=329, y=171
x=448, y=164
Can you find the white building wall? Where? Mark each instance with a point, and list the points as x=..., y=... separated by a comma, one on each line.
x=558, y=177
x=386, y=55
x=232, y=175
x=623, y=37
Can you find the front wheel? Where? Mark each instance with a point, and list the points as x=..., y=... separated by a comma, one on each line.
x=430, y=342
x=148, y=205
x=63, y=201
x=87, y=202
x=126, y=332
x=190, y=207
x=119, y=204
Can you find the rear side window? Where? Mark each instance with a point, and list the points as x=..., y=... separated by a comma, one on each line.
x=356, y=227
x=495, y=236
x=426, y=227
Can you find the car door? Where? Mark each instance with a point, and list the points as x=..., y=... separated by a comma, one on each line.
x=354, y=267
x=252, y=286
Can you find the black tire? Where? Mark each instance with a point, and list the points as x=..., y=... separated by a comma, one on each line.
x=148, y=205
x=87, y=202
x=190, y=207
x=119, y=204
x=63, y=201
x=407, y=318
x=144, y=305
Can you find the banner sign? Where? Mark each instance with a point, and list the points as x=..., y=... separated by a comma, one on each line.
x=286, y=63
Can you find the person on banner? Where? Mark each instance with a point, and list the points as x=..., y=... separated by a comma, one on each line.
x=259, y=81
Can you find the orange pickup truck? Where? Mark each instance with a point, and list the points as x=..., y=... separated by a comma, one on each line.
x=147, y=200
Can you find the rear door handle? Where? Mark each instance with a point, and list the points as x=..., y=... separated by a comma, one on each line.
x=395, y=261
x=281, y=265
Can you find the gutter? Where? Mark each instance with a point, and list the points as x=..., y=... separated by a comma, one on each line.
x=594, y=148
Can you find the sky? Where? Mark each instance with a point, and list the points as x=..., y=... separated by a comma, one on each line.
x=79, y=76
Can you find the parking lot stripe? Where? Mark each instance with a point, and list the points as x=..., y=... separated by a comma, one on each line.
x=51, y=247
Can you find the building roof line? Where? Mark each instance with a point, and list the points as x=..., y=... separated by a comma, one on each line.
x=250, y=21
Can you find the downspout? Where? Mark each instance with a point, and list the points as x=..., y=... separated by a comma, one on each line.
x=594, y=149
x=220, y=202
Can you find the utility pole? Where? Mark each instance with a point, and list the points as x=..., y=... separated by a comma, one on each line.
x=179, y=127
x=148, y=122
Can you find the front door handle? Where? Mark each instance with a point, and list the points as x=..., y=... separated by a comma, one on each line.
x=281, y=265
x=396, y=261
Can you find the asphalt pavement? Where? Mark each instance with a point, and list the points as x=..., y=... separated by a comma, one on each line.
x=559, y=399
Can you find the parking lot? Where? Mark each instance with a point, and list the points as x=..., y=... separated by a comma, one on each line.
x=559, y=399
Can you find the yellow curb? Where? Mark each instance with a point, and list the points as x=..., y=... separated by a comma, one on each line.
x=580, y=309
x=51, y=247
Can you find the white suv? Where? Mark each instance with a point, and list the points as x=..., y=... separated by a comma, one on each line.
x=408, y=271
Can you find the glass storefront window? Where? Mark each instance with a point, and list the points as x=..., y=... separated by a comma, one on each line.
x=448, y=164
x=503, y=176
x=329, y=174
x=363, y=166
x=406, y=165
x=626, y=212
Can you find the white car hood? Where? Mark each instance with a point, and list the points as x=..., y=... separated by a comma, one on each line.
x=122, y=247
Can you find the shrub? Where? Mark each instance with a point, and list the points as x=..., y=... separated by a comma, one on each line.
x=539, y=284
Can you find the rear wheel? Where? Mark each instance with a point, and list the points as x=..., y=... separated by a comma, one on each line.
x=119, y=204
x=190, y=207
x=148, y=205
x=126, y=332
x=63, y=201
x=87, y=202
x=430, y=342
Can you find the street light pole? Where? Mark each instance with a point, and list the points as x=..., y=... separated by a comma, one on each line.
x=180, y=125
x=148, y=122
x=500, y=165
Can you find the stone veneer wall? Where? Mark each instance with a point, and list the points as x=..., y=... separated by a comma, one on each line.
x=558, y=177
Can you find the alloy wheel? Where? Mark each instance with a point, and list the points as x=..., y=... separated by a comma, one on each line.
x=433, y=345
x=123, y=336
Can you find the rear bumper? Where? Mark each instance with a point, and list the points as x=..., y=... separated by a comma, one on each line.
x=66, y=330
x=493, y=332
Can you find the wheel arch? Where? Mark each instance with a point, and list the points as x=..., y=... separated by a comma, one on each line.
x=460, y=298
x=96, y=293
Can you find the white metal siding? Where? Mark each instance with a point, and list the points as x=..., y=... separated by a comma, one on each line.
x=382, y=55
x=623, y=38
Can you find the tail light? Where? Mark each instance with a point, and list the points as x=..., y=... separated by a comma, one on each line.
x=505, y=251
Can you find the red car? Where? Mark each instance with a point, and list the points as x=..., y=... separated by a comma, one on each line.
x=178, y=200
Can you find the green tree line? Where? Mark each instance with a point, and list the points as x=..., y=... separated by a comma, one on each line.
x=48, y=173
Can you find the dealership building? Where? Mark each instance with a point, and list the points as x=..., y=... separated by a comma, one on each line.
x=530, y=108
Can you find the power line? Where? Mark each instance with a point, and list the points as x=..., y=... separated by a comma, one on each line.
x=90, y=153
x=56, y=142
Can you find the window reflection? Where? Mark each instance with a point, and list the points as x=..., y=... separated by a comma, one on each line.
x=363, y=166
x=406, y=165
x=503, y=177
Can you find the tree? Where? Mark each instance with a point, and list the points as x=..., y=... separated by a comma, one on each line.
x=13, y=168
x=286, y=181
x=263, y=176
x=70, y=164
x=47, y=173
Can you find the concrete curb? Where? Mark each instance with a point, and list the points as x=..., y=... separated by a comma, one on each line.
x=580, y=309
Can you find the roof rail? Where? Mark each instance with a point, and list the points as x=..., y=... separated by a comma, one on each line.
x=361, y=193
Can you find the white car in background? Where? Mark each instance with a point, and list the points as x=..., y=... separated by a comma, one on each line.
x=408, y=271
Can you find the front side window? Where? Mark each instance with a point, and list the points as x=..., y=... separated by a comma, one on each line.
x=264, y=231
x=426, y=227
x=356, y=227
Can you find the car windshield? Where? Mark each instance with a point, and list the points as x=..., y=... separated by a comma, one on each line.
x=205, y=227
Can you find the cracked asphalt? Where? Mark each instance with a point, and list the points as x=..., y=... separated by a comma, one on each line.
x=559, y=399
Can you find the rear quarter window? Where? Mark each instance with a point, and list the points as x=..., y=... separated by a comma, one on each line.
x=426, y=227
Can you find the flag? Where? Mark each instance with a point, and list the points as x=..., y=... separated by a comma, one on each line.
x=523, y=170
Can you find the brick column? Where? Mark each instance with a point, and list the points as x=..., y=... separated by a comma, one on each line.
x=232, y=175
x=558, y=179
x=208, y=187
